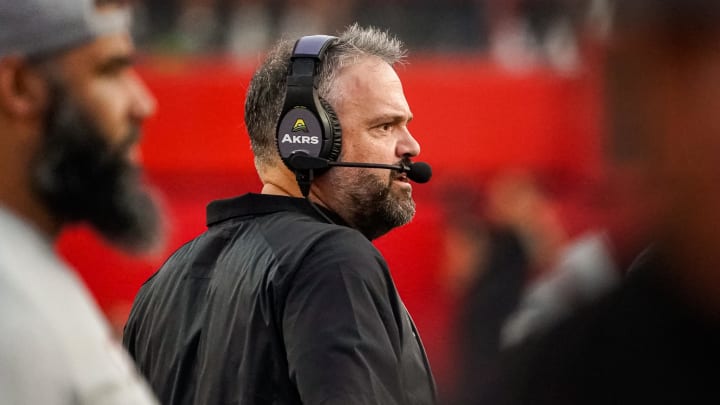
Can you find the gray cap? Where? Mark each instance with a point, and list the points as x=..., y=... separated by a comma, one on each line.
x=39, y=27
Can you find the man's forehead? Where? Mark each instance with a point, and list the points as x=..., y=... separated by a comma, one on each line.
x=110, y=45
x=376, y=76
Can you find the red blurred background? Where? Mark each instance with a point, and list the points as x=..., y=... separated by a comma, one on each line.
x=472, y=119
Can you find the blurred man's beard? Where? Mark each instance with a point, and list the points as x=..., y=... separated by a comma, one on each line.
x=372, y=206
x=81, y=177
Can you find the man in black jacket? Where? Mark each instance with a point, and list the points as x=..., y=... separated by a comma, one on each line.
x=284, y=299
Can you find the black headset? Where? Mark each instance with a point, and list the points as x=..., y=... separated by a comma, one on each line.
x=308, y=126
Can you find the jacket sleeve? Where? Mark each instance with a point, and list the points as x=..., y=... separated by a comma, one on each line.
x=341, y=326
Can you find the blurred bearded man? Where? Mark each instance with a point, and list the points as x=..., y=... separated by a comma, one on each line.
x=71, y=107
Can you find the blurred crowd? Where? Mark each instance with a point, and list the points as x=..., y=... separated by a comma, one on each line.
x=515, y=32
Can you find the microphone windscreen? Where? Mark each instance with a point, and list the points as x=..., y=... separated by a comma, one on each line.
x=420, y=172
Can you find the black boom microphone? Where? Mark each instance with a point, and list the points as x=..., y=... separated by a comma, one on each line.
x=419, y=172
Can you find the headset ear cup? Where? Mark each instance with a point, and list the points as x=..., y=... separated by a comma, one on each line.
x=336, y=132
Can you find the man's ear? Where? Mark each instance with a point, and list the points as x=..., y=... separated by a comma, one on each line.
x=23, y=90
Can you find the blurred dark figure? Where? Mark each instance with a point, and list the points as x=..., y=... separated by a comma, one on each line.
x=497, y=242
x=485, y=266
x=485, y=306
x=651, y=339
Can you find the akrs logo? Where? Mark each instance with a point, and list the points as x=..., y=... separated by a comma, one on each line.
x=312, y=140
x=299, y=126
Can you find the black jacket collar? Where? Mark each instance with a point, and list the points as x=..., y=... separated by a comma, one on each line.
x=252, y=204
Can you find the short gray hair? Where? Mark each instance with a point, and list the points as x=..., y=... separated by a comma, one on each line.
x=266, y=94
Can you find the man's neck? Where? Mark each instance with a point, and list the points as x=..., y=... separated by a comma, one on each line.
x=276, y=189
x=32, y=211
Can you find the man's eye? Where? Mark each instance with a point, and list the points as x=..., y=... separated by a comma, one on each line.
x=115, y=66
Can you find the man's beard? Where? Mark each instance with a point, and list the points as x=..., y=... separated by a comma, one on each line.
x=370, y=204
x=82, y=177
